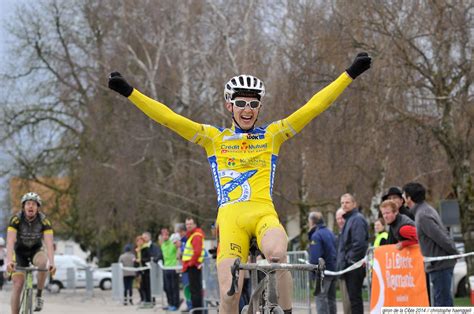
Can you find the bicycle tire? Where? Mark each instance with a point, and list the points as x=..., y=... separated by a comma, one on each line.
x=26, y=303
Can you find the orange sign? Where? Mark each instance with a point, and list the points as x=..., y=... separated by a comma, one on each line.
x=398, y=278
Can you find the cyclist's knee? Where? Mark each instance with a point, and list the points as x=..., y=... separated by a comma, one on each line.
x=17, y=283
x=40, y=260
x=276, y=256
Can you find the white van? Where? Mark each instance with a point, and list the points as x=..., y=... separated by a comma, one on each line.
x=102, y=279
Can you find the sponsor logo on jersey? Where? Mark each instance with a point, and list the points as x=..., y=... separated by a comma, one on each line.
x=253, y=162
x=235, y=247
x=231, y=161
x=255, y=136
x=237, y=180
x=239, y=136
x=244, y=147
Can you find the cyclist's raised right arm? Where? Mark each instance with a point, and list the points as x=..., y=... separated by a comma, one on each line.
x=154, y=109
x=165, y=116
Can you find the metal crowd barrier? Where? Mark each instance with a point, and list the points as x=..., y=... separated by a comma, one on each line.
x=301, y=282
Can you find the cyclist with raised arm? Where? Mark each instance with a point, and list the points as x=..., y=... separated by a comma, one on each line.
x=26, y=232
x=243, y=161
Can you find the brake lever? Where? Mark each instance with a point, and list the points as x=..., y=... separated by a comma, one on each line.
x=235, y=278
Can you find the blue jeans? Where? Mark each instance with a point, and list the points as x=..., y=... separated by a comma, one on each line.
x=326, y=301
x=442, y=281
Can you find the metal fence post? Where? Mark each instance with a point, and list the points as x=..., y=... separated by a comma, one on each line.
x=71, y=278
x=117, y=282
x=89, y=282
x=156, y=280
x=301, y=282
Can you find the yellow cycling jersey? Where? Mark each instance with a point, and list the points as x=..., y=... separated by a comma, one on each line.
x=242, y=162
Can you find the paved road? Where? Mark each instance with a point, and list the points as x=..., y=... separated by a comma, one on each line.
x=76, y=302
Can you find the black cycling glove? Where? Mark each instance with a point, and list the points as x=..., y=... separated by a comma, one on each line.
x=119, y=84
x=360, y=65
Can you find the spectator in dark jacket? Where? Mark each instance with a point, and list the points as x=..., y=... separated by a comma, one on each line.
x=143, y=257
x=353, y=245
x=434, y=242
x=323, y=245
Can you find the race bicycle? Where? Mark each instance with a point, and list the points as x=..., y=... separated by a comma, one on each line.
x=264, y=298
x=26, y=303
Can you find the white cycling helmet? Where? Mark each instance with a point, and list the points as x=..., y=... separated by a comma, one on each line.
x=31, y=196
x=244, y=86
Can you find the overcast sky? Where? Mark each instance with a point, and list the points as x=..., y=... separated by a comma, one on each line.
x=6, y=8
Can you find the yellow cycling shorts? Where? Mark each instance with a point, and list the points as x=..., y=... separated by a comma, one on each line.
x=238, y=223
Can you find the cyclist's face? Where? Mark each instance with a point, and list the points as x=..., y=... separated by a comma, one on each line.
x=246, y=116
x=31, y=209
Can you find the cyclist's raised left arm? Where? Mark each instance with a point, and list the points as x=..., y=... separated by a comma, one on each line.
x=323, y=99
x=318, y=103
x=156, y=110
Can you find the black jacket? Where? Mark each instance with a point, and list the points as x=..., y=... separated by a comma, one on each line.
x=353, y=240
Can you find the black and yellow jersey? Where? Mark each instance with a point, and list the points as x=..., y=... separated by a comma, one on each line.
x=242, y=162
x=29, y=234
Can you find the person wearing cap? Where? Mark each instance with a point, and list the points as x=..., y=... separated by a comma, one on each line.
x=170, y=276
x=395, y=194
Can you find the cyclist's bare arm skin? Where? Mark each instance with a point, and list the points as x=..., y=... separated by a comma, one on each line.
x=11, y=239
x=17, y=280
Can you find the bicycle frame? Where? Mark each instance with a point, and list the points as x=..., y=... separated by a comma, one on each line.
x=26, y=300
x=264, y=297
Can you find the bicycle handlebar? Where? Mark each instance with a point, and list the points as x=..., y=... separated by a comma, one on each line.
x=30, y=268
x=319, y=268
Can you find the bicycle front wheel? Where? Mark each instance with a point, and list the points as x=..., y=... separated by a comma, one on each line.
x=26, y=305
